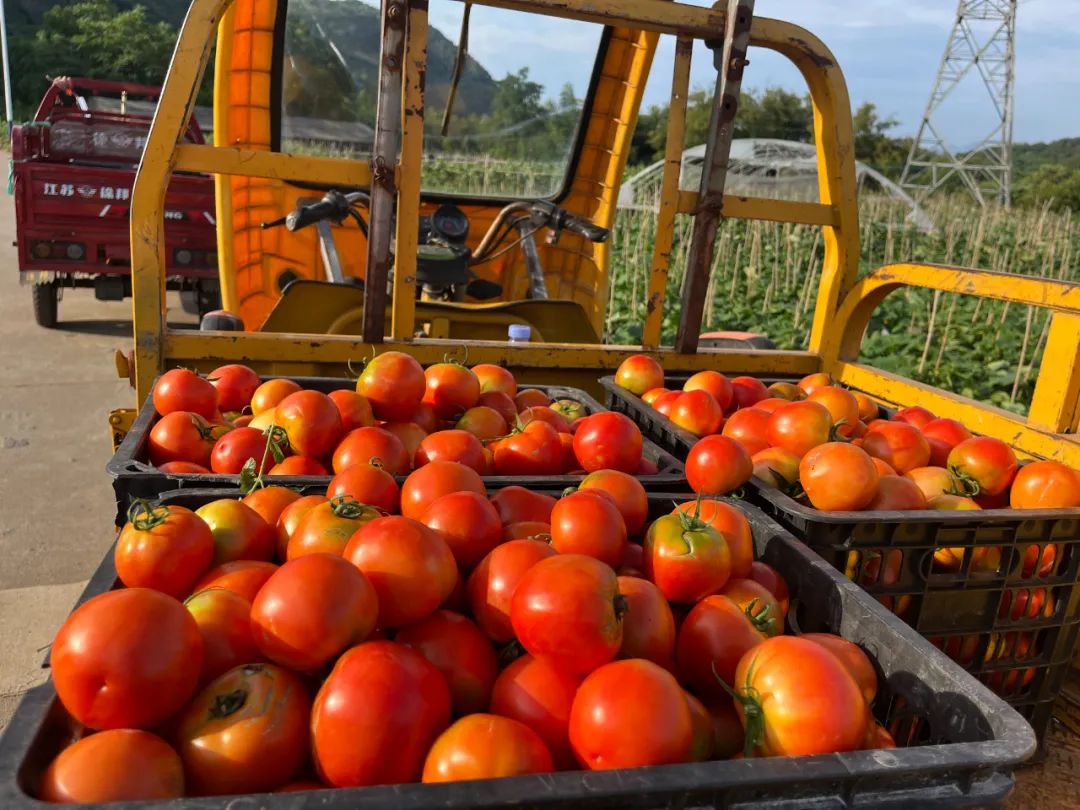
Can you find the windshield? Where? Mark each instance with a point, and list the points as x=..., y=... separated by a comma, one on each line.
x=516, y=111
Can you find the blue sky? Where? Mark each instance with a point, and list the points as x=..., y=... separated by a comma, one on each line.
x=889, y=51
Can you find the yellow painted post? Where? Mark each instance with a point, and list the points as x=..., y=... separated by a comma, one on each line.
x=1055, y=404
x=669, y=194
x=223, y=200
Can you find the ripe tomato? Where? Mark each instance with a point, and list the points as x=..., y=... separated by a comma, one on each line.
x=915, y=415
x=685, y=557
x=943, y=435
x=758, y=602
x=934, y=481
x=500, y=402
x=749, y=427
x=468, y=523
x=354, y=410
x=246, y=732
x=842, y=406
x=376, y=716
x=451, y=445
x=626, y=491
x=772, y=404
x=367, y=483
x=298, y=465
x=1030, y=603
x=732, y=524
x=312, y=422
x=233, y=449
x=239, y=532
x=183, y=390
x=747, y=392
x=224, y=620
x=235, y=385
x=701, y=748
x=608, y=441
x=485, y=746
x=126, y=659
x=182, y=468
x=728, y=736
x=768, y=577
x=1045, y=485
x=838, y=477
x=242, y=577
x=900, y=444
x=435, y=479
x=394, y=384
x=270, y=502
x=181, y=436
x=495, y=378
x=311, y=609
x=855, y=661
x=717, y=465
x=484, y=423
x=615, y=703
x=952, y=503
x=897, y=494
x=410, y=434
x=166, y=548
x=697, y=412
x=986, y=465
x=527, y=529
x=868, y=409
x=589, y=523
x=568, y=608
x=665, y=401
x=114, y=766
x=270, y=393
x=714, y=636
x=785, y=390
x=327, y=527
x=714, y=383
x=800, y=426
x=535, y=692
x=544, y=413
x=650, y=396
x=491, y=585
x=451, y=389
x=775, y=466
x=364, y=444
x=461, y=653
x=530, y=397
x=648, y=626
x=290, y=518
x=515, y=504
x=639, y=373
x=1039, y=562
x=532, y=450
x=409, y=565
x=805, y=700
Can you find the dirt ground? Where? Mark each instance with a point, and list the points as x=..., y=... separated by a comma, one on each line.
x=56, y=502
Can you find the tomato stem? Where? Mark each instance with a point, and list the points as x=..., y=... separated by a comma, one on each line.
x=144, y=515
x=753, y=712
x=761, y=619
x=346, y=506
x=970, y=486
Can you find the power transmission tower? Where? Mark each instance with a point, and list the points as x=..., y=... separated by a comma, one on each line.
x=982, y=41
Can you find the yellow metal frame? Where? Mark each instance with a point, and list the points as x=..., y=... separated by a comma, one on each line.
x=844, y=302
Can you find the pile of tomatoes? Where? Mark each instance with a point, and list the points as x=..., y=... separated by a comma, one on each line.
x=232, y=422
x=437, y=632
x=828, y=447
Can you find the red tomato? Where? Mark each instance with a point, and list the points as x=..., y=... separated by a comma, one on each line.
x=270, y=502
x=311, y=609
x=290, y=518
x=461, y=653
x=712, y=639
x=943, y=435
x=715, y=384
x=701, y=749
x=451, y=389
x=368, y=484
x=424, y=417
x=775, y=466
x=627, y=493
x=410, y=434
x=182, y=468
x=806, y=700
x=608, y=441
x=800, y=426
x=224, y=620
x=749, y=427
x=842, y=406
x=717, y=465
x=769, y=578
x=686, y=557
x=451, y=445
x=394, y=384
x=585, y=523
x=544, y=413
x=435, y=479
x=568, y=608
x=114, y=766
x=665, y=401
x=901, y=445
x=515, y=504
x=897, y=494
x=529, y=397
x=364, y=444
x=500, y=402
x=354, y=410
x=495, y=378
x=648, y=626
x=772, y=404
x=1045, y=485
x=650, y=396
x=697, y=412
x=468, y=523
x=376, y=716
x=483, y=422
x=166, y=548
x=235, y=385
x=758, y=602
x=485, y=746
x=952, y=503
x=234, y=448
x=298, y=465
x=410, y=566
x=532, y=450
x=181, y=436
x=934, y=481
x=785, y=390
x=727, y=729
x=747, y=391
x=639, y=373
x=985, y=464
x=491, y=586
x=239, y=532
x=538, y=694
x=732, y=524
x=1040, y=562
x=632, y=563
x=615, y=703
x=242, y=577
x=126, y=659
x=838, y=477
x=915, y=415
x=270, y=393
x=312, y=422
x=182, y=390
x=327, y=527
x=1030, y=603
x=868, y=409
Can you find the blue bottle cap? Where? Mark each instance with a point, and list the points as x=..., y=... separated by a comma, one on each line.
x=520, y=331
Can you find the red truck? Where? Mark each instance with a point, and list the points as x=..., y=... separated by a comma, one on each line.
x=74, y=167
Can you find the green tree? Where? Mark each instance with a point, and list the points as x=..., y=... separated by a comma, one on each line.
x=517, y=99
x=1050, y=183
x=874, y=146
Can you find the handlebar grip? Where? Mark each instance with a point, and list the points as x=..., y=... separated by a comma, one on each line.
x=310, y=214
x=594, y=233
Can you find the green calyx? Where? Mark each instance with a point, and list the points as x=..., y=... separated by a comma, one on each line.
x=144, y=515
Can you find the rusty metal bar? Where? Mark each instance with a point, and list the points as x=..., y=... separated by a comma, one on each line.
x=730, y=63
x=663, y=16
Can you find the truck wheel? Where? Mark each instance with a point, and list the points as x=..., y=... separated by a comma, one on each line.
x=45, y=298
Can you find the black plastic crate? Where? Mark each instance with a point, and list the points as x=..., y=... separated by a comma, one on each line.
x=963, y=741
x=966, y=611
x=134, y=476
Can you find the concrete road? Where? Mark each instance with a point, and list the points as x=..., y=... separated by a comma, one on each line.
x=56, y=502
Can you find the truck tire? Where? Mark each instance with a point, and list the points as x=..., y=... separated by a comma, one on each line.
x=45, y=304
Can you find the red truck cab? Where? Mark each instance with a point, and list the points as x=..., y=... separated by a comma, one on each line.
x=74, y=167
